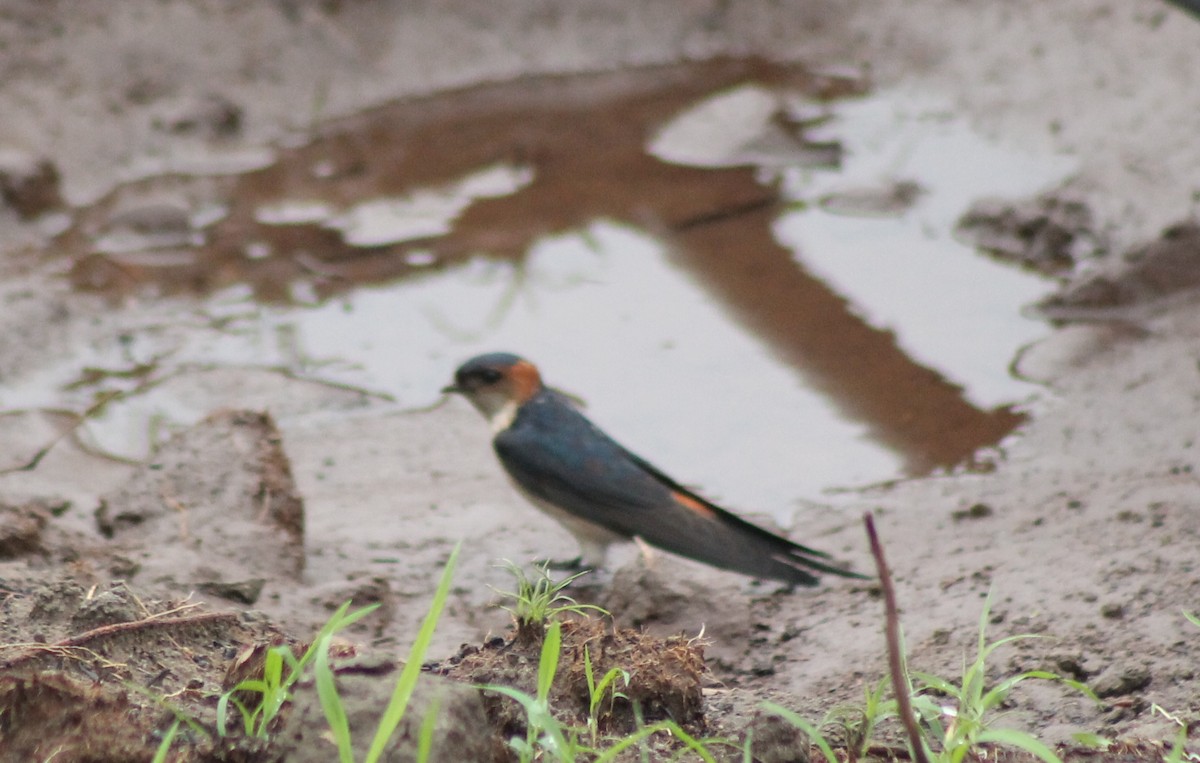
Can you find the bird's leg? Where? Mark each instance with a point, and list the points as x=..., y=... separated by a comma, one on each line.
x=649, y=558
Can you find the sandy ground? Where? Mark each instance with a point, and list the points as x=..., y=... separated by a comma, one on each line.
x=1085, y=533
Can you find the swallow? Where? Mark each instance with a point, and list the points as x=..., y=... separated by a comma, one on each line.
x=602, y=493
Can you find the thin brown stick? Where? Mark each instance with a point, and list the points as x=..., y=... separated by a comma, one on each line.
x=895, y=655
x=104, y=631
x=149, y=622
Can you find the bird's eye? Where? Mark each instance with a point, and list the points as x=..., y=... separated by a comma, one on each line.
x=490, y=375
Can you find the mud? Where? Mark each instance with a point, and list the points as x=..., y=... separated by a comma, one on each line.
x=663, y=677
x=141, y=172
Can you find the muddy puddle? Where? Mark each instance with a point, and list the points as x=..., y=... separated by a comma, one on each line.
x=778, y=283
x=636, y=233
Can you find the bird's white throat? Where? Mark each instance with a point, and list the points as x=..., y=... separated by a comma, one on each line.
x=502, y=418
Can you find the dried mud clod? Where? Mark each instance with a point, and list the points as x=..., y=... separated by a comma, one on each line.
x=664, y=676
x=1149, y=274
x=85, y=721
x=21, y=530
x=775, y=740
x=220, y=494
x=87, y=681
x=1048, y=234
x=29, y=185
x=251, y=469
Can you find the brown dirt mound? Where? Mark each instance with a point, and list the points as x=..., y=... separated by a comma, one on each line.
x=664, y=677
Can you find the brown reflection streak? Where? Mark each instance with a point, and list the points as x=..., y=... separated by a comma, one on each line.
x=582, y=135
x=584, y=138
x=906, y=406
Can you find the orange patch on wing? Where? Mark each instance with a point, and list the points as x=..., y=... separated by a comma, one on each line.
x=526, y=380
x=690, y=503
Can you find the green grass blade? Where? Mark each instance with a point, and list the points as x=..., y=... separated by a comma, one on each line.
x=273, y=665
x=251, y=684
x=1082, y=688
x=355, y=616
x=223, y=713
x=331, y=702
x=587, y=672
x=998, y=692
x=508, y=691
x=223, y=709
x=294, y=665
x=988, y=649
x=548, y=663
x=1021, y=741
x=936, y=682
x=1178, y=750
x=543, y=731
x=425, y=735
x=984, y=617
x=1092, y=741
x=338, y=621
x=160, y=755
x=597, y=694
x=994, y=697
x=625, y=743
x=412, y=668
x=690, y=742
x=275, y=691
x=814, y=734
x=248, y=716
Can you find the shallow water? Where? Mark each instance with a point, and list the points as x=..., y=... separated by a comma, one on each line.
x=755, y=287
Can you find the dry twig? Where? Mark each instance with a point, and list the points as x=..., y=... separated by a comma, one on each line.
x=895, y=653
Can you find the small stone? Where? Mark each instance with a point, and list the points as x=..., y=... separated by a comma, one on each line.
x=1113, y=610
x=242, y=591
x=105, y=608
x=1071, y=664
x=53, y=599
x=29, y=185
x=1047, y=234
x=775, y=740
x=976, y=511
x=1118, y=681
x=123, y=568
x=211, y=116
x=21, y=530
x=762, y=666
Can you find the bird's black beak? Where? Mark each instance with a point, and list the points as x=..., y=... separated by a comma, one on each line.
x=452, y=389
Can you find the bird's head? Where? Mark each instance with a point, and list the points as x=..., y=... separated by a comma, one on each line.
x=497, y=384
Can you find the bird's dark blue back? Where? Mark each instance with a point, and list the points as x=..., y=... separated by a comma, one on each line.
x=556, y=454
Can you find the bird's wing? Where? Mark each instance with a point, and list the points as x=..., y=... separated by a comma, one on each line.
x=557, y=455
x=726, y=516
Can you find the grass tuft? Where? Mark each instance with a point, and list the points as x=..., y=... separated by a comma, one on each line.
x=393, y=714
x=968, y=723
x=274, y=688
x=538, y=599
x=945, y=733
x=282, y=669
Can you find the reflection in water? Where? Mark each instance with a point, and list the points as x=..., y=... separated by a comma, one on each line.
x=371, y=201
x=911, y=409
x=582, y=138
